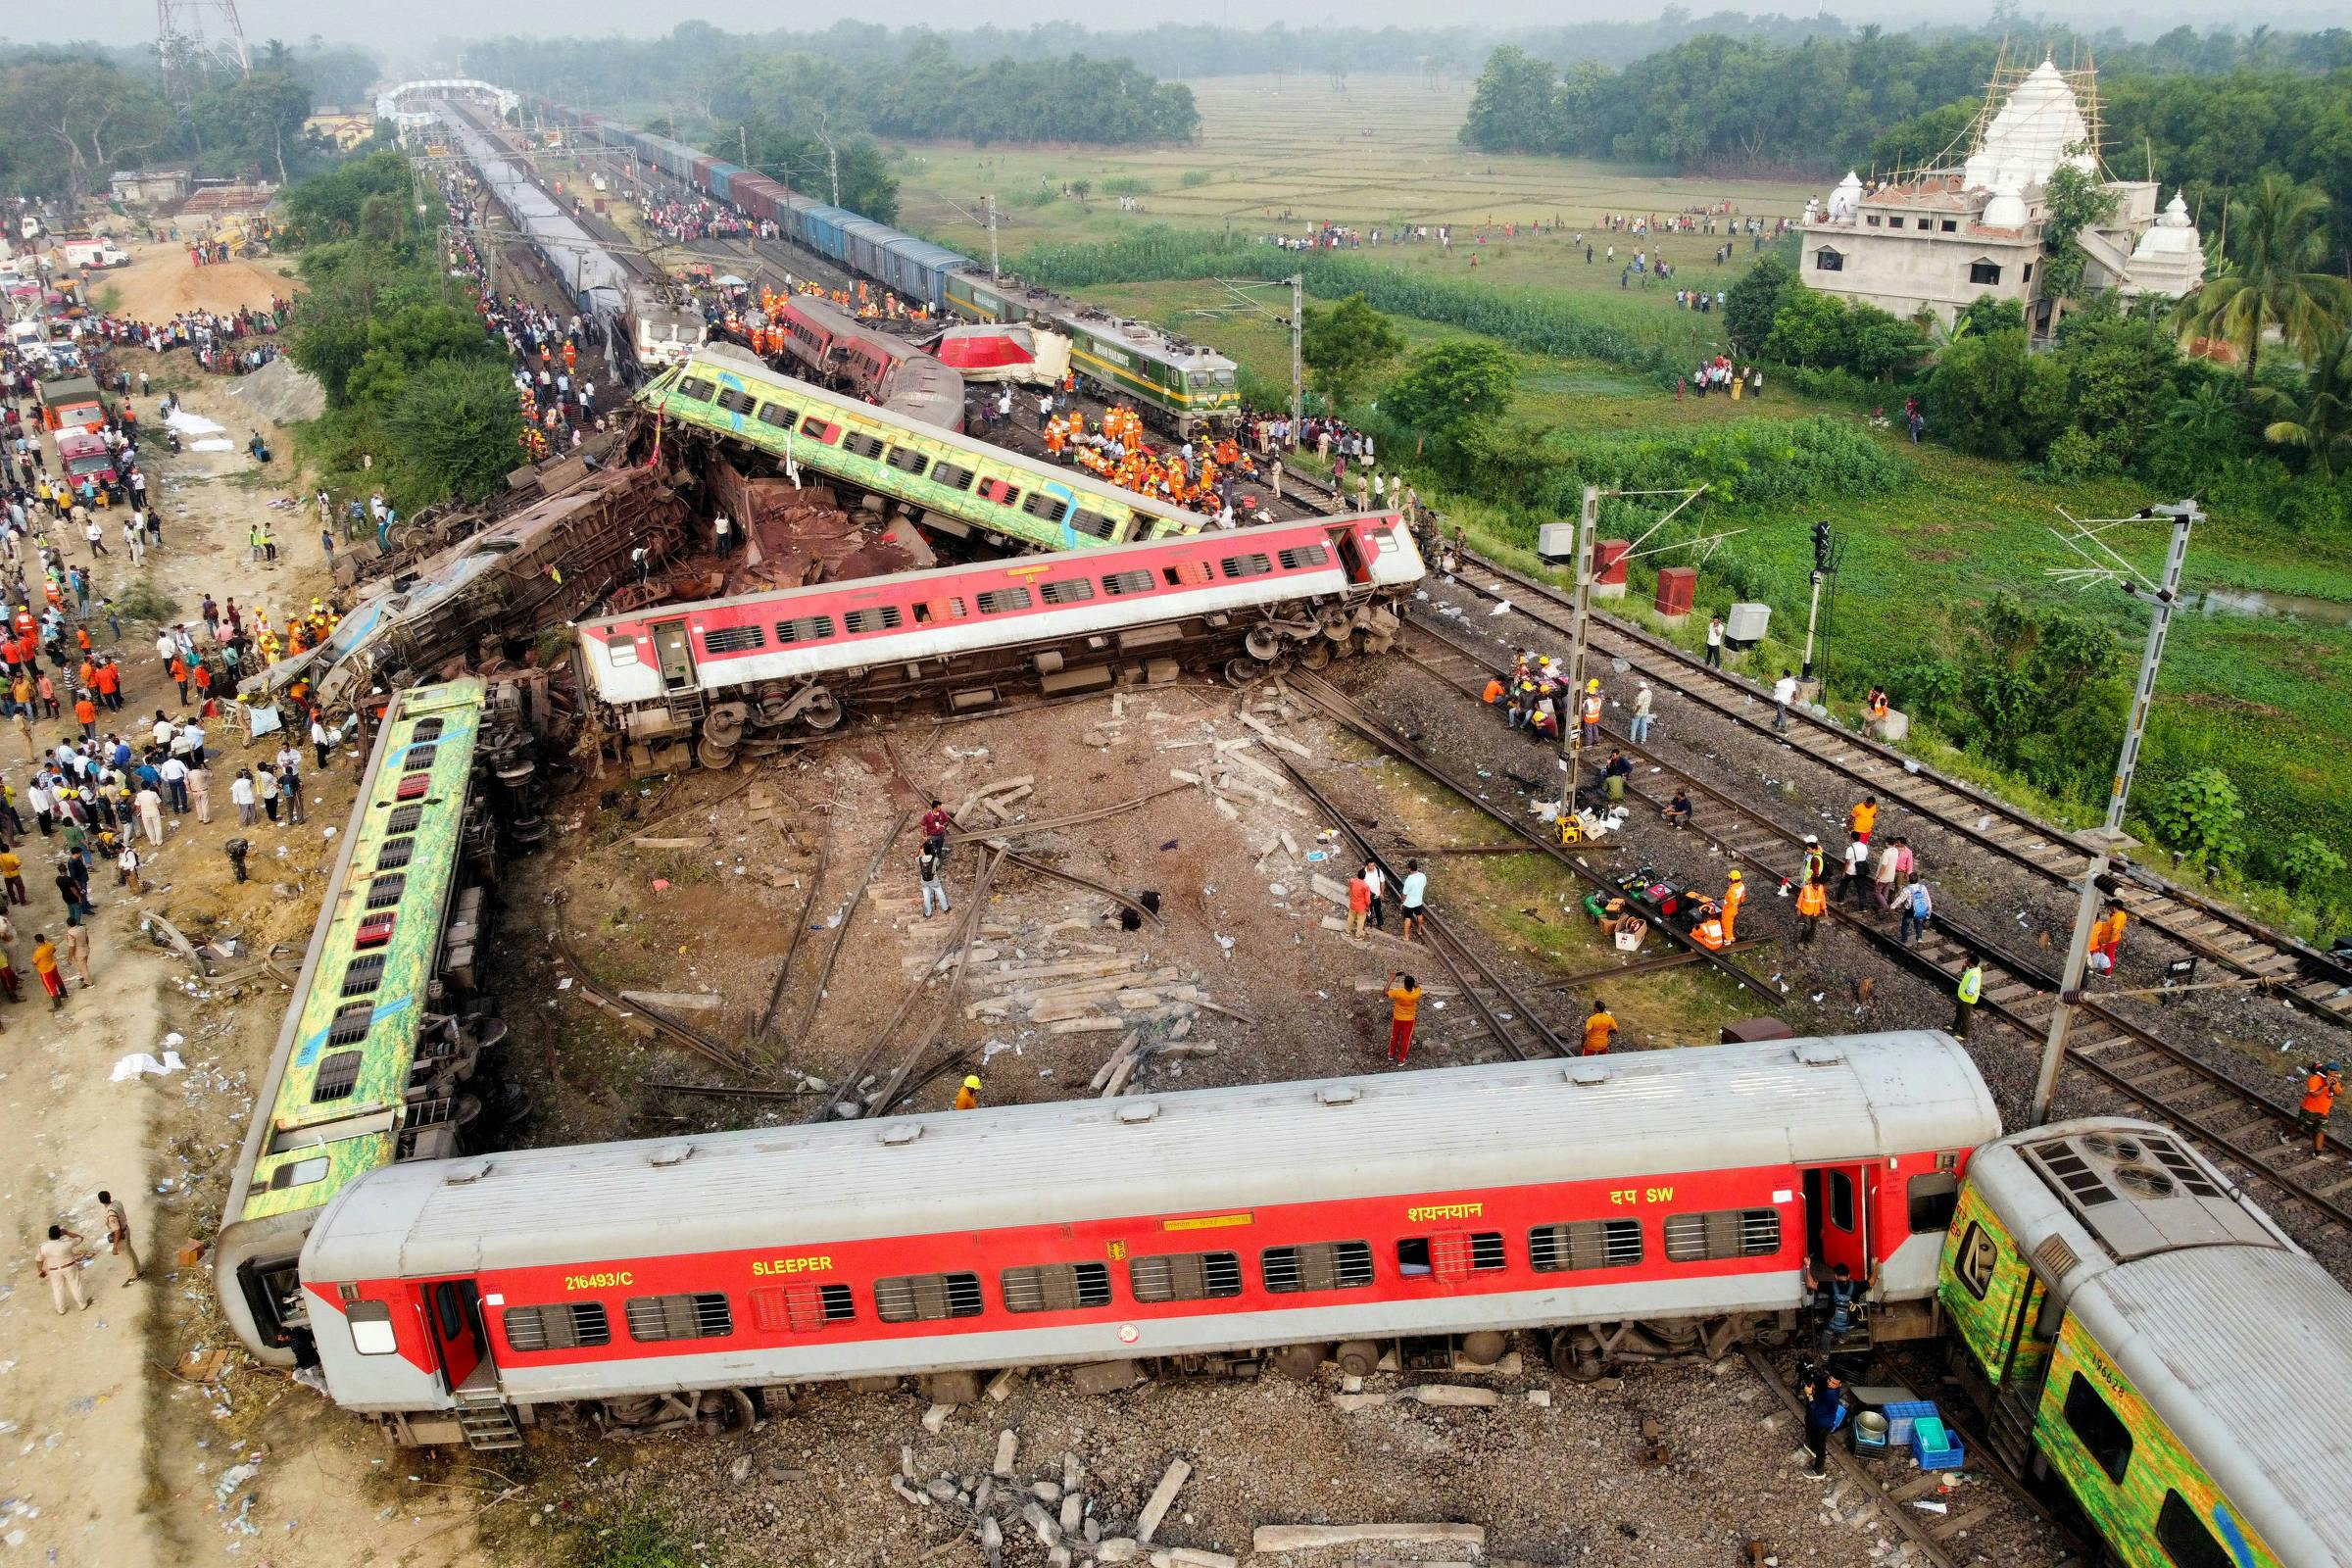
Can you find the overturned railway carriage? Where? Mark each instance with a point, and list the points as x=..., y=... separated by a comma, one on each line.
x=373, y=1061
x=831, y=344
x=945, y=481
x=1654, y=1203
x=758, y=665
x=2134, y=1327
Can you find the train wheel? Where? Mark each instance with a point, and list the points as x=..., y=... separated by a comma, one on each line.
x=1315, y=655
x=1245, y=671
x=1263, y=643
x=1299, y=1361
x=1358, y=1358
x=1486, y=1348
x=824, y=711
x=717, y=758
x=1337, y=622
x=1576, y=1354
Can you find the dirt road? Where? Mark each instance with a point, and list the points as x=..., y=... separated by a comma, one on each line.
x=160, y=283
x=105, y=1456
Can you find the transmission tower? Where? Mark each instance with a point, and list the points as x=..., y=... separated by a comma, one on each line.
x=195, y=37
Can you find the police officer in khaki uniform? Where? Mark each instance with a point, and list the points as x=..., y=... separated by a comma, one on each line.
x=60, y=1266
x=118, y=1234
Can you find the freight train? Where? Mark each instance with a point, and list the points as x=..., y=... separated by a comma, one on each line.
x=375, y=1059
x=2167, y=1351
x=1184, y=386
x=761, y=665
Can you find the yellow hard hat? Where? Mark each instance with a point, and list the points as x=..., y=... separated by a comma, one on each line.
x=971, y=1081
x=1735, y=876
x=1593, y=685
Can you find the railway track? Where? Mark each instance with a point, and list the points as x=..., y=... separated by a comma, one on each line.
x=2238, y=1124
x=2311, y=980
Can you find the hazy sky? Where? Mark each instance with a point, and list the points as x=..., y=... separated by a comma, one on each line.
x=402, y=29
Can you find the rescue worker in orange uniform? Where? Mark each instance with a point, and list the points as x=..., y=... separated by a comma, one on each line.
x=1734, y=893
x=1600, y=1025
x=1708, y=931
x=967, y=1098
x=2106, y=932
x=1812, y=903
x=1864, y=816
x=2320, y=1088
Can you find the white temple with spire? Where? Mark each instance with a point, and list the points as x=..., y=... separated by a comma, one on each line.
x=1940, y=239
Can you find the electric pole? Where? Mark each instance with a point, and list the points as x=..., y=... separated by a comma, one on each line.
x=1297, y=351
x=994, y=269
x=2185, y=516
x=1572, y=729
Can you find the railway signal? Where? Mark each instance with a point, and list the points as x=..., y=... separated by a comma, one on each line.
x=2105, y=565
x=1822, y=566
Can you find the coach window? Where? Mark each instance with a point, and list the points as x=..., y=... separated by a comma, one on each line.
x=2186, y=1539
x=907, y=461
x=1003, y=601
x=1094, y=525
x=371, y=1328
x=1317, y=1266
x=1585, y=1244
x=1722, y=1233
x=1045, y=505
x=1980, y=1254
x=803, y=629
x=931, y=610
x=696, y=1315
x=1066, y=591
x=2094, y=1422
x=800, y=1309
x=570, y=1325
x=1253, y=565
x=1300, y=557
x=1186, y=573
x=1055, y=1286
x=1127, y=583
x=1449, y=1254
x=953, y=475
x=733, y=639
x=621, y=650
x=337, y=1075
x=912, y=1298
x=875, y=617
x=698, y=389
x=301, y=1173
x=1184, y=1277
x=1933, y=1198
x=777, y=416
x=817, y=429
x=864, y=446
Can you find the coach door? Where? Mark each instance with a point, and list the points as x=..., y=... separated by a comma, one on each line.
x=453, y=1311
x=674, y=655
x=1837, y=1218
x=1352, y=553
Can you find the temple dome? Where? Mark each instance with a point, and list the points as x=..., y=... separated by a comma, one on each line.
x=2039, y=127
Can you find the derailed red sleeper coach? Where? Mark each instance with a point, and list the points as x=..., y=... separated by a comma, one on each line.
x=720, y=671
x=1639, y=1205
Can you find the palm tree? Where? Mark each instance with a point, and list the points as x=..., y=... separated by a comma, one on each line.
x=2274, y=279
x=2320, y=419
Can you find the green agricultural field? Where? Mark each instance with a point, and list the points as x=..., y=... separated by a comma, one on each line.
x=1378, y=154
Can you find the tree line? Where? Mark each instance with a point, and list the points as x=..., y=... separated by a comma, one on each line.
x=421, y=399
x=917, y=86
x=70, y=118
x=2207, y=111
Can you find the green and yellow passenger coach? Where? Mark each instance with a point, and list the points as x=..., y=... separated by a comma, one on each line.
x=2139, y=1333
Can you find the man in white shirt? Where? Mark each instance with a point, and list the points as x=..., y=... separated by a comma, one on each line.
x=1783, y=692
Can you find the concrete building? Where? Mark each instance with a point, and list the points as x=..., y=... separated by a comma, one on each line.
x=150, y=187
x=1941, y=238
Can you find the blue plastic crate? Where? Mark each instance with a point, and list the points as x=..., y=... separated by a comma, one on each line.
x=1900, y=1416
x=1935, y=1446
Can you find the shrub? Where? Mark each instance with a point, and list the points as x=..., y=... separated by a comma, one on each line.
x=2196, y=816
x=1194, y=178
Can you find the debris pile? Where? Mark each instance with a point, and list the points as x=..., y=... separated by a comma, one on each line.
x=1075, y=1525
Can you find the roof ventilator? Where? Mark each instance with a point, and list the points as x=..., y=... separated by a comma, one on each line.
x=466, y=1172
x=1820, y=1053
x=1137, y=1112
x=1588, y=1074
x=670, y=1155
x=1337, y=1095
x=899, y=1134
